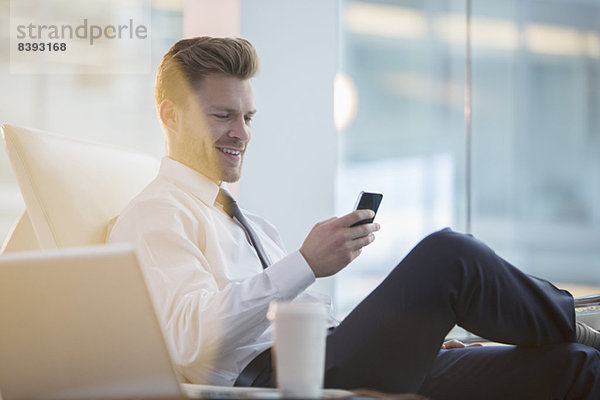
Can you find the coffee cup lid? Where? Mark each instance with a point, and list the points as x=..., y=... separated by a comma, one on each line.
x=296, y=309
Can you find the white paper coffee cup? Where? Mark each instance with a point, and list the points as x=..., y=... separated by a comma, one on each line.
x=300, y=330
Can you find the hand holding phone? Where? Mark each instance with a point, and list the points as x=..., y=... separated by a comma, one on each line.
x=367, y=200
x=329, y=248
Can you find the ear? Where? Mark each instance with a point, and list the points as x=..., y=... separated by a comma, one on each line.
x=169, y=114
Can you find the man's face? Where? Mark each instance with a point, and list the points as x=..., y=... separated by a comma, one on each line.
x=216, y=127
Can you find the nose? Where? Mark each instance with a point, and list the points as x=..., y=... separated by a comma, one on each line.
x=240, y=129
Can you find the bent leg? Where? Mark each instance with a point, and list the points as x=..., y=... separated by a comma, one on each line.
x=390, y=340
x=559, y=371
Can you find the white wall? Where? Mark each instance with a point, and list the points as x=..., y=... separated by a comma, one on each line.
x=290, y=165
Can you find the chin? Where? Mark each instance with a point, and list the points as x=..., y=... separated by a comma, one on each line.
x=231, y=175
x=231, y=178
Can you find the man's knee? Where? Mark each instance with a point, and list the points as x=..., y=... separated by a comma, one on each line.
x=456, y=243
x=435, y=262
x=446, y=249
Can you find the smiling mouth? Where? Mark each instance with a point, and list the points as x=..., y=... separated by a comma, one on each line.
x=230, y=151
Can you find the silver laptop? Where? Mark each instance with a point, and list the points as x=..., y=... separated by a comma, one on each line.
x=79, y=324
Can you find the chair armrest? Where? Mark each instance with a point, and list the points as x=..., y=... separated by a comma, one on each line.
x=588, y=301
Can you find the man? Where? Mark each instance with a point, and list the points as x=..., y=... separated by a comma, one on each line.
x=214, y=269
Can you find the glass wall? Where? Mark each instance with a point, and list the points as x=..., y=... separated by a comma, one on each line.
x=521, y=172
x=536, y=136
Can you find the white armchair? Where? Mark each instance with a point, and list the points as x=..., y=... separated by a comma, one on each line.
x=71, y=188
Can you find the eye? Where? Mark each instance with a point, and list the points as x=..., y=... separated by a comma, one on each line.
x=221, y=116
x=248, y=119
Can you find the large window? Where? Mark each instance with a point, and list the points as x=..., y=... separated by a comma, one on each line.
x=521, y=171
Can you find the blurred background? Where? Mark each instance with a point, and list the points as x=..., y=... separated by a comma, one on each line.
x=476, y=114
x=524, y=176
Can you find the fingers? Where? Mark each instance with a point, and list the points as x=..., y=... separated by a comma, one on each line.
x=349, y=219
x=334, y=243
x=362, y=241
x=355, y=253
x=453, y=344
x=457, y=344
x=355, y=216
x=360, y=231
x=360, y=235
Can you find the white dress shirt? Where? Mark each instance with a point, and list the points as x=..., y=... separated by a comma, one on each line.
x=210, y=289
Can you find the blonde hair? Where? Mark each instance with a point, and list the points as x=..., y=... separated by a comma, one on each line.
x=188, y=61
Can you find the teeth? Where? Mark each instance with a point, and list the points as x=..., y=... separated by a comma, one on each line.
x=228, y=151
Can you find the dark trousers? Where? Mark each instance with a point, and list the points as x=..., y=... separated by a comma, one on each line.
x=391, y=341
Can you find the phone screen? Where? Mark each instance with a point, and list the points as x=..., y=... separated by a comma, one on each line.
x=367, y=200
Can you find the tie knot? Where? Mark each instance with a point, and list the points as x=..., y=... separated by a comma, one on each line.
x=225, y=199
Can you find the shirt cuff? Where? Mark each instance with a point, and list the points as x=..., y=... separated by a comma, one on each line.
x=291, y=276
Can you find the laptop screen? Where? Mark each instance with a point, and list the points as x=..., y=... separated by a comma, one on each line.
x=77, y=324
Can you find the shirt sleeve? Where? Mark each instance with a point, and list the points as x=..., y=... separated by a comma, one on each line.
x=201, y=317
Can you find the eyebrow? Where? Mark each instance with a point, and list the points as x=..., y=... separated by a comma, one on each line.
x=231, y=110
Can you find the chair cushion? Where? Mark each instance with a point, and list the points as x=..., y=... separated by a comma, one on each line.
x=73, y=188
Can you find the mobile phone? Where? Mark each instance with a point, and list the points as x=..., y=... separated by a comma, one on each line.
x=367, y=200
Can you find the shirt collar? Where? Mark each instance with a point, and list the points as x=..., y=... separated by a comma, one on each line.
x=189, y=179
